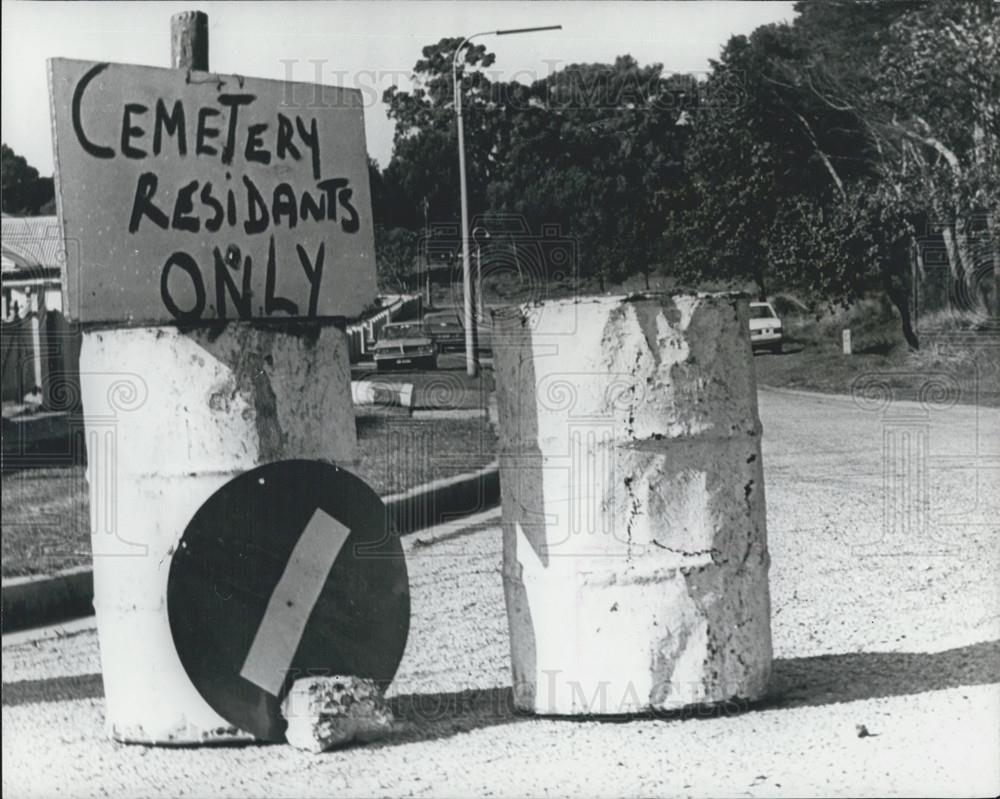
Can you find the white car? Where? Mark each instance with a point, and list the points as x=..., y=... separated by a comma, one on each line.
x=765, y=327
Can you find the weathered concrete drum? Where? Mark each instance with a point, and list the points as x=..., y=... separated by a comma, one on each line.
x=171, y=417
x=635, y=552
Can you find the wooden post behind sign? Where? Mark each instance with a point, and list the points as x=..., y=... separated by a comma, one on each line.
x=172, y=413
x=189, y=40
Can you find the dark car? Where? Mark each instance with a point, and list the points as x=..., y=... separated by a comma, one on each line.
x=404, y=344
x=447, y=331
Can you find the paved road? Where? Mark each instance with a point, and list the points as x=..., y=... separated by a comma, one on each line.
x=886, y=613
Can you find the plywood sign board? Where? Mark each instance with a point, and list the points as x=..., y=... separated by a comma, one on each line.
x=188, y=196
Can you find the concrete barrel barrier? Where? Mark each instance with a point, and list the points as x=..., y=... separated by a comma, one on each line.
x=170, y=417
x=634, y=535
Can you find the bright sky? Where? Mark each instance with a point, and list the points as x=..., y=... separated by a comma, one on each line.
x=367, y=45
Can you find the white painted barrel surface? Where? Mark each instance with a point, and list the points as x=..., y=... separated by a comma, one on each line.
x=171, y=417
x=635, y=551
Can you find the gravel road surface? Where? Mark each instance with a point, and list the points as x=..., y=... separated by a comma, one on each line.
x=885, y=544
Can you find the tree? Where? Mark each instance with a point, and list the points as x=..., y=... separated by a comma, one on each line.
x=860, y=125
x=591, y=151
x=425, y=150
x=940, y=90
x=594, y=149
x=395, y=253
x=922, y=82
x=23, y=192
x=818, y=154
x=766, y=166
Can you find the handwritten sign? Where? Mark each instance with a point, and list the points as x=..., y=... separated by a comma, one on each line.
x=192, y=196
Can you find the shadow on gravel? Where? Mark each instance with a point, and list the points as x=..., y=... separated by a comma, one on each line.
x=795, y=682
x=422, y=717
x=58, y=689
x=827, y=679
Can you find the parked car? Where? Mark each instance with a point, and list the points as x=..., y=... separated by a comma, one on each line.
x=405, y=344
x=448, y=332
x=765, y=327
x=445, y=329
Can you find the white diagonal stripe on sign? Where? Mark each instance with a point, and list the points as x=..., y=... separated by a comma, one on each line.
x=292, y=601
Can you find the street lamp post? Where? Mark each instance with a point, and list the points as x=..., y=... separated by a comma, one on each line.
x=427, y=254
x=471, y=356
x=479, y=236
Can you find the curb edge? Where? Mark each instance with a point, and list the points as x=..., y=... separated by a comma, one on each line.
x=36, y=601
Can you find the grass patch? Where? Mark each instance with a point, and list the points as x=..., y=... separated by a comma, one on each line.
x=397, y=452
x=46, y=512
x=46, y=521
x=957, y=362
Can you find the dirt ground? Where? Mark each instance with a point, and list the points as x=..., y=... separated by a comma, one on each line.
x=885, y=615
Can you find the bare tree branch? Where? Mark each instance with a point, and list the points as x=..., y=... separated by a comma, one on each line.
x=826, y=99
x=932, y=142
x=822, y=155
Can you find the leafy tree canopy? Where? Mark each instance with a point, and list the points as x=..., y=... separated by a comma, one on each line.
x=23, y=192
x=823, y=156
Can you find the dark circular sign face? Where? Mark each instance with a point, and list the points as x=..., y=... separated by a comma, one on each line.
x=291, y=569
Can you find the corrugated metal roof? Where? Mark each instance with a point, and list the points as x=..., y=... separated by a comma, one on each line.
x=30, y=242
x=12, y=260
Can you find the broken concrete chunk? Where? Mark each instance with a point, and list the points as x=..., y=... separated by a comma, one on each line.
x=325, y=712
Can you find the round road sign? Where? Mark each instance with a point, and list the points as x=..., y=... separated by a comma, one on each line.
x=289, y=570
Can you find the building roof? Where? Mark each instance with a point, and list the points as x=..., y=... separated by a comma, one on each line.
x=31, y=245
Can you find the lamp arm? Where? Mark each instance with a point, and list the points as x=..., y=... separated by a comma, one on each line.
x=454, y=67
